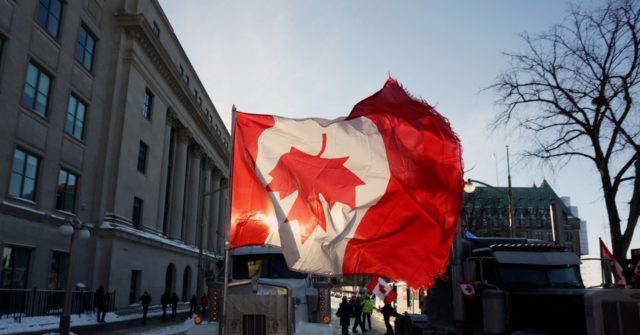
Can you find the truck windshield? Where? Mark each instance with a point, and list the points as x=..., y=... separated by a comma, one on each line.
x=519, y=276
x=264, y=265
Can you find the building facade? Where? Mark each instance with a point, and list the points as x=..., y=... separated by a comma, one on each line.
x=538, y=213
x=104, y=119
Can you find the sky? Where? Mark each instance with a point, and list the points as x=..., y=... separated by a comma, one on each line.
x=319, y=58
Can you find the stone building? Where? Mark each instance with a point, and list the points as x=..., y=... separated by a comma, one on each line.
x=104, y=119
x=538, y=214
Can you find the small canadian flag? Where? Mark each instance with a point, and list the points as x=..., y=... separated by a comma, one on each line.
x=468, y=291
x=382, y=289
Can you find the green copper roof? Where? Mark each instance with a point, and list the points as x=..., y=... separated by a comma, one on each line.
x=535, y=197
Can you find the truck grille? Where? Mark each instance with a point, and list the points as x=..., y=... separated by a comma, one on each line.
x=254, y=325
x=620, y=318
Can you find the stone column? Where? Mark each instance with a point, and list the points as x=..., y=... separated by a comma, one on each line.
x=222, y=217
x=206, y=204
x=193, y=197
x=177, y=196
x=162, y=195
x=215, y=210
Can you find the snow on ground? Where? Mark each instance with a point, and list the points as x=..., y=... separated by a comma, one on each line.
x=44, y=323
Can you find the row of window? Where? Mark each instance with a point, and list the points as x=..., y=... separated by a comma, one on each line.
x=14, y=270
x=24, y=177
x=49, y=15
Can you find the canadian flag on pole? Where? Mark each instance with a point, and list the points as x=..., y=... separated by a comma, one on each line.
x=378, y=192
x=468, y=290
x=612, y=263
x=382, y=289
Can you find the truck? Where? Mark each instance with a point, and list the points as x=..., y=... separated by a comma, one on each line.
x=266, y=297
x=518, y=286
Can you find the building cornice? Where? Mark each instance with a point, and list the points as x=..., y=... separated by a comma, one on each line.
x=136, y=26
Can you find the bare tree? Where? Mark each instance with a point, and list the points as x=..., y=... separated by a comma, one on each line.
x=574, y=91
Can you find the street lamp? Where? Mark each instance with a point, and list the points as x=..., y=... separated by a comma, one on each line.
x=470, y=187
x=73, y=228
x=200, y=244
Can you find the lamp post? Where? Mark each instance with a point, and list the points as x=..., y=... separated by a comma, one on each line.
x=73, y=228
x=201, y=242
x=470, y=187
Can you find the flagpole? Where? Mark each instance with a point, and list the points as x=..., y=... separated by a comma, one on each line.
x=225, y=288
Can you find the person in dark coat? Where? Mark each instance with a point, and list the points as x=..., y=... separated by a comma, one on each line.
x=344, y=312
x=164, y=301
x=101, y=303
x=387, y=311
x=193, y=305
x=204, y=302
x=145, y=300
x=357, y=313
x=174, y=305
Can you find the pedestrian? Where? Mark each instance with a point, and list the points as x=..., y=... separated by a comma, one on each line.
x=145, y=300
x=193, y=305
x=164, y=301
x=367, y=309
x=101, y=303
x=387, y=311
x=357, y=313
x=344, y=312
x=174, y=306
x=204, y=302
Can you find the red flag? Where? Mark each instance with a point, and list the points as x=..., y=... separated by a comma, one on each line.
x=382, y=289
x=616, y=268
x=378, y=192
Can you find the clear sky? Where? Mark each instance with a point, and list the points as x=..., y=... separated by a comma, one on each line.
x=319, y=58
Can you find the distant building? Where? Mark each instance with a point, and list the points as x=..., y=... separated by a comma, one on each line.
x=105, y=119
x=536, y=210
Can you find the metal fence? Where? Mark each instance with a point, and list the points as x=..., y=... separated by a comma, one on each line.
x=19, y=303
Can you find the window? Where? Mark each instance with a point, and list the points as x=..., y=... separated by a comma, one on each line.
x=155, y=29
x=74, y=125
x=58, y=269
x=200, y=101
x=181, y=70
x=568, y=237
x=134, y=286
x=15, y=267
x=24, y=175
x=136, y=218
x=148, y=104
x=48, y=16
x=66, y=191
x=195, y=93
x=36, y=90
x=186, y=79
x=142, y=157
x=85, y=48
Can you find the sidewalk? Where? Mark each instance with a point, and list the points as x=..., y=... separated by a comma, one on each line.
x=87, y=323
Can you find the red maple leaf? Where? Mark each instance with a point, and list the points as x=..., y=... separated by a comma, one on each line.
x=382, y=288
x=312, y=176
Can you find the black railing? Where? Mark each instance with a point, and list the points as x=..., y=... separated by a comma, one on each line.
x=19, y=303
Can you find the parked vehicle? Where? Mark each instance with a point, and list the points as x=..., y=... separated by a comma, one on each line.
x=266, y=297
x=520, y=286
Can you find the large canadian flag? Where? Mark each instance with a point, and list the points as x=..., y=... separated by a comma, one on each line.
x=612, y=263
x=382, y=289
x=378, y=192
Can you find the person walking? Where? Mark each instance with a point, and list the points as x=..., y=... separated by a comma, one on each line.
x=193, y=305
x=204, y=302
x=344, y=312
x=387, y=311
x=357, y=313
x=164, y=301
x=367, y=309
x=101, y=303
x=174, y=306
x=145, y=300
